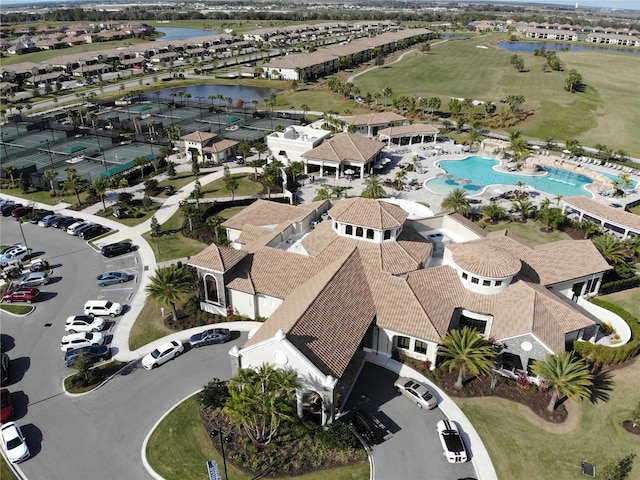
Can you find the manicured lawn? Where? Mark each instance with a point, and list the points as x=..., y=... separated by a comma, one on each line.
x=180, y=447
x=627, y=299
x=132, y=222
x=43, y=196
x=149, y=325
x=227, y=213
x=177, y=182
x=17, y=309
x=529, y=231
x=100, y=374
x=174, y=245
x=5, y=471
x=245, y=188
x=523, y=446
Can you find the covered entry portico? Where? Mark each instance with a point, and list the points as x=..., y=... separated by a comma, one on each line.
x=409, y=134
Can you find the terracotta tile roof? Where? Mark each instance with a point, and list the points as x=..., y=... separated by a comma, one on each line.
x=251, y=233
x=378, y=118
x=366, y=213
x=346, y=147
x=219, y=259
x=485, y=259
x=338, y=295
x=605, y=212
x=413, y=129
x=198, y=136
x=265, y=213
x=221, y=146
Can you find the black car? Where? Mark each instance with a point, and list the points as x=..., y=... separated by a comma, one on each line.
x=57, y=223
x=67, y=222
x=115, y=249
x=93, y=353
x=40, y=215
x=366, y=426
x=84, y=228
x=93, y=231
x=4, y=368
x=169, y=190
x=7, y=209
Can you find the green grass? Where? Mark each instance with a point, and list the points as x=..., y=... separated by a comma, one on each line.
x=149, y=325
x=627, y=299
x=180, y=447
x=17, y=309
x=523, y=446
x=100, y=374
x=44, y=196
x=174, y=245
x=227, y=213
x=5, y=470
x=529, y=231
x=246, y=187
x=132, y=222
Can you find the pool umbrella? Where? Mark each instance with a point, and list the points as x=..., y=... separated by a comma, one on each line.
x=444, y=175
x=464, y=181
x=349, y=172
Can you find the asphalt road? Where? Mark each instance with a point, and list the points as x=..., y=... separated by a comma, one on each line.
x=98, y=435
x=411, y=449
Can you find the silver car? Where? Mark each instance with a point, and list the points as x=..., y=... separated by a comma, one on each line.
x=415, y=391
x=33, y=279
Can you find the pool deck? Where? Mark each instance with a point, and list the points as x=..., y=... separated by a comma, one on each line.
x=429, y=156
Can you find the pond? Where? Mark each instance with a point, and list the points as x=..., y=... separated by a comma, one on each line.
x=530, y=47
x=234, y=91
x=171, y=33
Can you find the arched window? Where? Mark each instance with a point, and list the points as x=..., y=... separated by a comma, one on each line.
x=387, y=234
x=369, y=233
x=211, y=289
x=349, y=230
x=359, y=232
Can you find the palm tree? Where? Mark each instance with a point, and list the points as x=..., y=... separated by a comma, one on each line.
x=255, y=164
x=10, y=170
x=260, y=148
x=566, y=375
x=588, y=227
x=196, y=193
x=50, y=175
x=466, y=351
x=305, y=109
x=73, y=182
x=294, y=169
x=323, y=194
x=611, y=249
x=523, y=205
x=100, y=186
x=260, y=400
x=213, y=223
x=373, y=188
x=387, y=92
x=494, y=211
x=456, y=201
x=473, y=138
x=169, y=285
x=232, y=185
x=190, y=211
x=140, y=162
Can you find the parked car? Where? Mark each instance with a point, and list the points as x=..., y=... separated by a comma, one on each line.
x=6, y=405
x=73, y=228
x=169, y=190
x=84, y=228
x=16, y=253
x=13, y=442
x=115, y=249
x=451, y=441
x=8, y=208
x=66, y=222
x=21, y=211
x=111, y=278
x=416, y=392
x=121, y=212
x=93, y=231
x=4, y=367
x=163, y=354
x=79, y=340
x=94, y=353
x=37, y=265
x=24, y=294
x=210, y=336
x=9, y=248
x=48, y=220
x=33, y=279
x=102, y=308
x=366, y=426
x=83, y=323
x=57, y=223
x=40, y=215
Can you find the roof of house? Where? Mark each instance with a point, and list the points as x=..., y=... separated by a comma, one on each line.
x=346, y=147
x=360, y=211
x=221, y=146
x=614, y=215
x=413, y=129
x=198, y=136
x=377, y=118
x=485, y=259
x=267, y=214
x=219, y=259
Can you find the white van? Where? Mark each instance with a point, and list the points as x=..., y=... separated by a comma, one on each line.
x=102, y=308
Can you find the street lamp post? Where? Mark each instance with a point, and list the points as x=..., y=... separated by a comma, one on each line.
x=25, y=244
x=216, y=432
x=50, y=156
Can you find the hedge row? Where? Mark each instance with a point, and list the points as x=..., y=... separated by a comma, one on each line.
x=602, y=355
x=620, y=285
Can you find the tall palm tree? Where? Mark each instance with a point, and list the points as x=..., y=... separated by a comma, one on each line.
x=196, y=193
x=494, y=211
x=169, y=285
x=190, y=211
x=566, y=375
x=10, y=170
x=466, y=351
x=213, y=223
x=294, y=169
x=456, y=201
x=473, y=138
x=387, y=92
x=523, y=205
x=260, y=148
x=323, y=194
x=50, y=175
x=73, y=182
x=610, y=248
x=373, y=188
x=232, y=185
x=260, y=400
x=100, y=186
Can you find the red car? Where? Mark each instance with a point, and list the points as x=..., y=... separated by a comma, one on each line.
x=6, y=406
x=23, y=294
x=21, y=212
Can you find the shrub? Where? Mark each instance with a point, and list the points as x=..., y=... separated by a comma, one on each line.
x=214, y=394
x=606, y=328
x=125, y=197
x=337, y=435
x=619, y=285
x=151, y=185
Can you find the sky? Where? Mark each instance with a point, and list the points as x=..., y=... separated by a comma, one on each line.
x=625, y=4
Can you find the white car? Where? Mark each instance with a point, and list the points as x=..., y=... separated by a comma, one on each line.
x=79, y=340
x=13, y=442
x=73, y=228
x=163, y=354
x=415, y=391
x=451, y=441
x=17, y=253
x=84, y=323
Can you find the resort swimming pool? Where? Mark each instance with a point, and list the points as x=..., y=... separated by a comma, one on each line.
x=475, y=173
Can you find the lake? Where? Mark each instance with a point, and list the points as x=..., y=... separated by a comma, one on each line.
x=234, y=91
x=530, y=47
x=182, y=33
